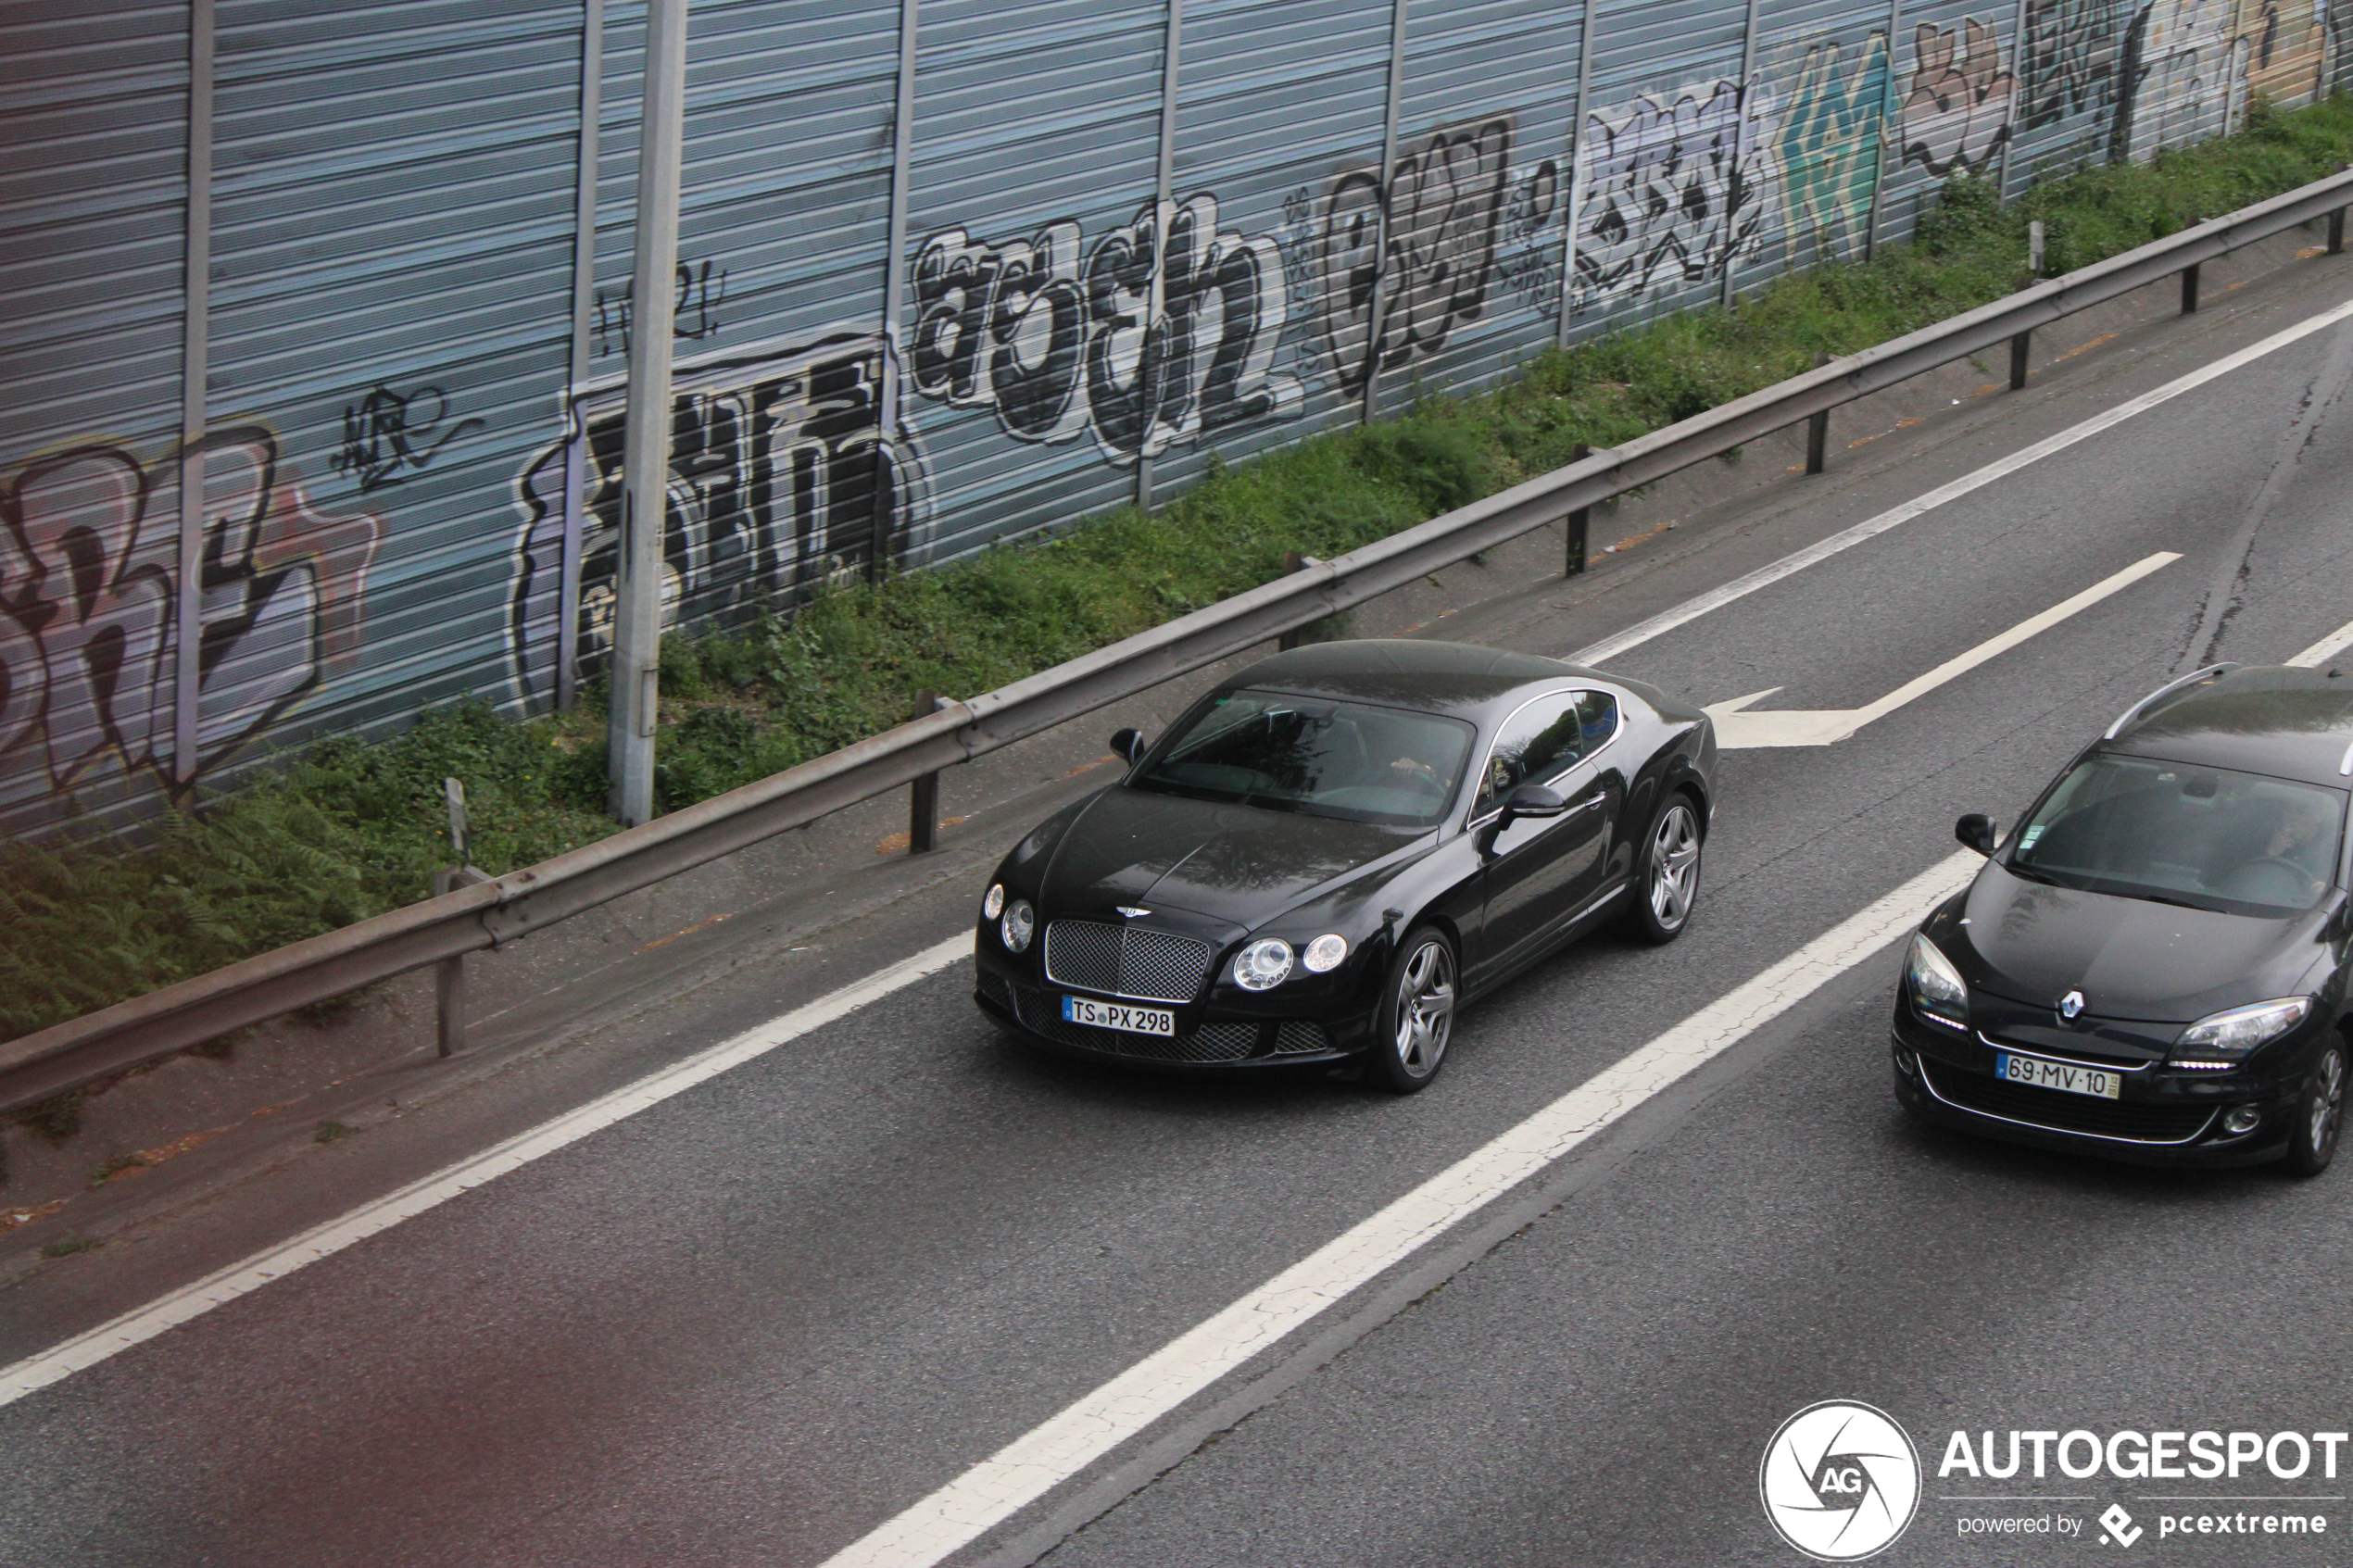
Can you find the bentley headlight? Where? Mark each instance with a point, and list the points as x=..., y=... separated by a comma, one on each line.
x=1262, y=965
x=2223, y=1039
x=1018, y=926
x=1937, y=987
x=1323, y=955
x=992, y=903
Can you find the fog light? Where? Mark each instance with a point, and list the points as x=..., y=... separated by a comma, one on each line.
x=2241, y=1118
x=1906, y=1063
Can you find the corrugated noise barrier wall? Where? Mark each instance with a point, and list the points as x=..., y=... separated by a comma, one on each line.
x=313, y=313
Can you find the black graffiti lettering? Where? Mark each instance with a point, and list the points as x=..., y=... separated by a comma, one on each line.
x=1057, y=346
x=781, y=477
x=389, y=434
x=2073, y=51
x=1445, y=198
x=700, y=289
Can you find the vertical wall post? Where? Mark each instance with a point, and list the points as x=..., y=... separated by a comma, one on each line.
x=1890, y=106
x=583, y=301
x=2017, y=103
x=449, y=974
x=636, y=642
x=1580, y=524
x=1575, y=194
x=1377, y=312
x=1164, y=195
x=1740, y=134
x=902, y=157
x=195, y=330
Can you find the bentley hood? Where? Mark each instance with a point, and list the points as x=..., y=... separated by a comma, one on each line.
x=1235, y=863
x=2132, y=958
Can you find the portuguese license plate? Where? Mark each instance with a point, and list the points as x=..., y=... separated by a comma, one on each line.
x=2062, y=1076
x=1114, y=1015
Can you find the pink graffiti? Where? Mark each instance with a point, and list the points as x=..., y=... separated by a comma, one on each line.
x=88, y=598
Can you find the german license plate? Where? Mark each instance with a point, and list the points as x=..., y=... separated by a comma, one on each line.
x=2060, y=1075
x=1112, y=1015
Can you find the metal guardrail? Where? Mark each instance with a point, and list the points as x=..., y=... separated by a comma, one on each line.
x=34, y=1067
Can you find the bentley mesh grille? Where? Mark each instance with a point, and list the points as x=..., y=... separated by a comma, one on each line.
x=1297, y=1038
x=997, y=989
x=1152, y=966
x=1042, y=1013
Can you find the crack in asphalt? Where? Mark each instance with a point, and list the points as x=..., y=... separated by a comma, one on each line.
x=2227, y=595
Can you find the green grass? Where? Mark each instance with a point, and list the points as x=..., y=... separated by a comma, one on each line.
x=355, y=829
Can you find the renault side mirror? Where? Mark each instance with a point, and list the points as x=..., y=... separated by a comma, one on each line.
x=1129, y=744
x=1977, y=831
x=1533, y=800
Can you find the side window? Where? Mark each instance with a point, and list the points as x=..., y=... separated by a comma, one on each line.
x=1597, y=712
x=1537, y=742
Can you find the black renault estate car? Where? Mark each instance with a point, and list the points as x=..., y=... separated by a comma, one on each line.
x=2153, y=966
x=1337, y=847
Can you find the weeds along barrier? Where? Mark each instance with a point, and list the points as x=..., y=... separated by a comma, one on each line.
x=486, y=914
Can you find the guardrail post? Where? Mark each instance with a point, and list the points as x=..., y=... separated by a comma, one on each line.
x=1574, y=565
x=1294, y=560
x=2337, y=232
x=923, y=795
x=2189, y=289
x=449, y=974
x=1818, y=429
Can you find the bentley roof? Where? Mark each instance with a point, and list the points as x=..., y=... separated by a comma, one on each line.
x=1444, y=677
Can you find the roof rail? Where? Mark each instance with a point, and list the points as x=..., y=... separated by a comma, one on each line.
x=2192, y=678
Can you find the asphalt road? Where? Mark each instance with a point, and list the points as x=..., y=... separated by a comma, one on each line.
x=753, y=1321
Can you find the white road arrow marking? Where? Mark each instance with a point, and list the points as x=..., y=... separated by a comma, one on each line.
x=1737, y=729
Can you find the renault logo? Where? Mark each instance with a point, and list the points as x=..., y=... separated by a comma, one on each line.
x=2070, y=1005
x=1132, y=913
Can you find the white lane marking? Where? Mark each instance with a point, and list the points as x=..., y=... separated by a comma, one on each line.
x=1033, y=1465
x=2336, y=642
x=1739, y=588
x=86, y=1351
x=1737, y=729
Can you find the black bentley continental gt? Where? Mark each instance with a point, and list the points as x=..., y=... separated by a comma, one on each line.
x=2153, y=967
x=1337, y=847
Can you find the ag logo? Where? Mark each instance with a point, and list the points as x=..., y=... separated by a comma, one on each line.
x=1840, y=1481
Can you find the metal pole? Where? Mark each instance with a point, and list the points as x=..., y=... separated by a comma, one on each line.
x=1580, y=524
x=903, y=155
x=1740, y=134
x=2189, y=289
x=1575, y=194
x=1817, y=430
x=1163, y=192
x=583, y=301
x=636, y=642
x=195, y=329
x=1890, y=106
x=923, y=794
x=1376, y=309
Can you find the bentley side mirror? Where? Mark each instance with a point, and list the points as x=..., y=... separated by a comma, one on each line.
x=1533, y=800
x=1129, y=744
x=1977, y=831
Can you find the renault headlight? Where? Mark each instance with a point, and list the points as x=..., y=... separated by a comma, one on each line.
x=1262, y=965
x=2223, y=1039
x=1937, y=989
x=1019, y=925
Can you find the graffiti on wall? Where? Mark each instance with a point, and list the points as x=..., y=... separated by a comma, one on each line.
x=1060, y=339
x=389, y=434
x=2287, y=48
x=1445, y=199
x=1958, y=105
x=1829, y=144
x=782, y=475
x=2074, y=50
x=701, y=290
x=88, y=598
x=2185, y=77
x=1679, y=187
